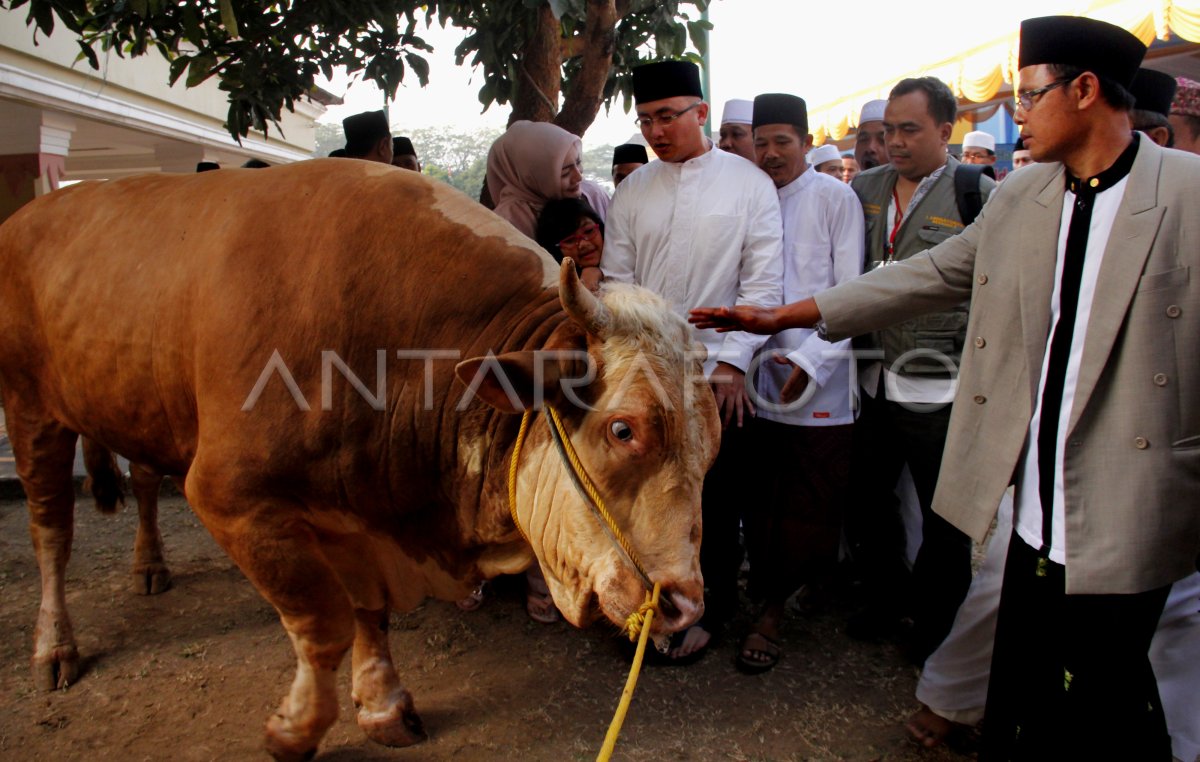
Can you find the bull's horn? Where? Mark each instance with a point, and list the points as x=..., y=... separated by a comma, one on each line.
x=580, y=303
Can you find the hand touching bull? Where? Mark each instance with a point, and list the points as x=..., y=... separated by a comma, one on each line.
x=764, y=320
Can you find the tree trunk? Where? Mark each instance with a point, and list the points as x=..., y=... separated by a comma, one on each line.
x=586, y=93
x=540, y=71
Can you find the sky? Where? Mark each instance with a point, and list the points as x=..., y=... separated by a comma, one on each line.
x=756, y=46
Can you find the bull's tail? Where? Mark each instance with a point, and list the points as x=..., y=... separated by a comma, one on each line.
x=104, y=480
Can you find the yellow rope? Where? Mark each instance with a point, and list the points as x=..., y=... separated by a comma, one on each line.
x=512, y=471
x=638, y=623
x=591, y=491
x=641, y=620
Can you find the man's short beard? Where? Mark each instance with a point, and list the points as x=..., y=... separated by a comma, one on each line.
x=869, y=163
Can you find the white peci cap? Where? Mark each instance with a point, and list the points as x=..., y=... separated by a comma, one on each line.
x=738, y=111
x=979, y=139
x=824, y=153
x=872, y=111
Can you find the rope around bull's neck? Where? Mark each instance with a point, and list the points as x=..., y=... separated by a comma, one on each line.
x=638, y=623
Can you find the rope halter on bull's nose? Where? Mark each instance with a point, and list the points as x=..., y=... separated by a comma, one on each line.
x=638, y=623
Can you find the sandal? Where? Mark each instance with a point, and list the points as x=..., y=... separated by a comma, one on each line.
x=758, y=653
x=476, y=597
x=539, y=604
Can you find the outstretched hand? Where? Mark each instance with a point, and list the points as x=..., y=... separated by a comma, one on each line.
x=744, y=317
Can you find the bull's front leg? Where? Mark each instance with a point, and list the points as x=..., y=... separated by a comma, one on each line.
x=385, y=708
x=281, y=557
x=150, y=573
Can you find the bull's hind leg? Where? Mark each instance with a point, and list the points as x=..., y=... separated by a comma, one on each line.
x=385, y=708
x=150, y=573
x=45, y=454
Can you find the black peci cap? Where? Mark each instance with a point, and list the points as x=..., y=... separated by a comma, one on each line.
x=1101, y=48
x=666, y=79
x=1153, y=91
x=403, y=147
x=630, y=153
x=781, y=108
x=364, y=130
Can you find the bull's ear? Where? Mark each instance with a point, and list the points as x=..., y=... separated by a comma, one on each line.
x=511, y=382
x=505, y=382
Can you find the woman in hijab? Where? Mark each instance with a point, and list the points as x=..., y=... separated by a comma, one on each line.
x=530, y=164
x=570, y=227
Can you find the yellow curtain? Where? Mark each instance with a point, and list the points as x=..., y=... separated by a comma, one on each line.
x=1184, y=21
x=979, y=74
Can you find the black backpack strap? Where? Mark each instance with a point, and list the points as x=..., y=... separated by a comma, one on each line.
x=967, y=194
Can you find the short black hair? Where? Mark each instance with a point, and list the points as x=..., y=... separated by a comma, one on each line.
x=1192, y=123
x=1146, y=120
x=560, y=218
x=943, y=106
x=1114, y=93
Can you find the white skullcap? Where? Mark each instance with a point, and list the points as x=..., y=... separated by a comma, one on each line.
x=872, y=111
x=979, y=139
x=738, y=111
x=822, y=154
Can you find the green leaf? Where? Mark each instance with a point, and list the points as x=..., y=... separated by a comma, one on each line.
x=420, y=66
x=85, y=51
x=698, y=31
x=43, y=14
x=177, y=67
x=228, y=20
x=191, y=25
x=200, y=68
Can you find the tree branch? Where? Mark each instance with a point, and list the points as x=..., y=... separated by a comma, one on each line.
x=586, y=91
x=541, y=69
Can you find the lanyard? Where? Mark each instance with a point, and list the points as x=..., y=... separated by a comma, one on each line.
x=891, y=244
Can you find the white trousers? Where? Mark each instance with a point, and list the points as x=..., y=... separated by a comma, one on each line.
x=955, y=680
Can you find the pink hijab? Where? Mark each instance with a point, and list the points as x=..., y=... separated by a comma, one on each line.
x=524, y=170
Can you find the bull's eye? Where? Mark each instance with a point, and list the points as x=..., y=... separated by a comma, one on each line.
x=621, y=430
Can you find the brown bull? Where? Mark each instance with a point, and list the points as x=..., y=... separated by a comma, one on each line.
x=283, y=342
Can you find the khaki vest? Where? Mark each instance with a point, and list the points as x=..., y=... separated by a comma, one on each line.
x=934, y=219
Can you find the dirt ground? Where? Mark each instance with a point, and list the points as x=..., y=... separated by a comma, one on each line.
x=192, y=674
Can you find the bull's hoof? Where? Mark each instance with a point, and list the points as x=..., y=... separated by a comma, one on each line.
x=283, y=745
x=285, y=754
x=400, y=725
x=152, y=579
x=56, y=670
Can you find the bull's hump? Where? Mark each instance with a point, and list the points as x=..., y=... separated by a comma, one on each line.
x=457, y=208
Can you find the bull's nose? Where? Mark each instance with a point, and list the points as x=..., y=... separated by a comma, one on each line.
x=680, y=605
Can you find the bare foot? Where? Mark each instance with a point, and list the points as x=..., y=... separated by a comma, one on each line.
x=695, y=639
x=928, y=728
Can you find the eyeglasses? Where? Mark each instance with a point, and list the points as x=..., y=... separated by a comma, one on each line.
x=584, y=234
x=663, y=120
x=1025, y=99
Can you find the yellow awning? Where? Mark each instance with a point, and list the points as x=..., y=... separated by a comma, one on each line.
x=978, y=74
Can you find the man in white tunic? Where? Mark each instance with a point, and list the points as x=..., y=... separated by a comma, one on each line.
x=700, y=226
x=801, y=451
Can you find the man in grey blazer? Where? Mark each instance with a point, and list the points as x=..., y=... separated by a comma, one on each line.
x=1080, y=387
